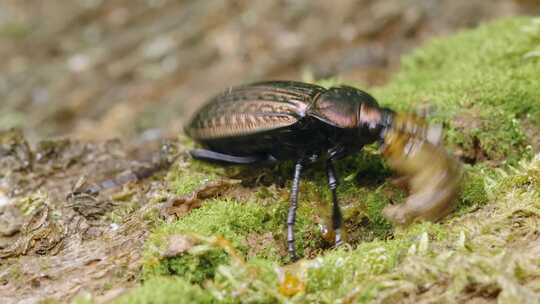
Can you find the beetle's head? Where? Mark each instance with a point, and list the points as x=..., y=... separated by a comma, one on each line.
x=374, y=121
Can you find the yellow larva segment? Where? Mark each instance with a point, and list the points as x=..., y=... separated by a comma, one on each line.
x=433, y=175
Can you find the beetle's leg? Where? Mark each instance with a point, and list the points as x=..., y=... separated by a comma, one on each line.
x=337, y=152
x=337, y=218
x=212, y=156
x=291, y=218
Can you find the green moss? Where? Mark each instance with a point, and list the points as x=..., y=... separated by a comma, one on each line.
x=225, y=218
x=236, y=222
x=29, y=204
x=335, y=273
x=167, y=290
x=193, y=268
x=518, y=179
x=434, y=231
x=461, y=255
x=253, y=282
x=120, y=213
x=330, y=277
x=473, y=193
x=229, y=219
x=185, y=178
x=480, y=85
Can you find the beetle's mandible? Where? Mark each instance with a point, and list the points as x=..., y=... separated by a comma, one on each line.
x=286, y=120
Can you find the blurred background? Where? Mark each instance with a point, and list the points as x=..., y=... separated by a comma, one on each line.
x=137, y=69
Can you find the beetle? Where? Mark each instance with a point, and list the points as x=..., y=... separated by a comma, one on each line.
x=272, y=121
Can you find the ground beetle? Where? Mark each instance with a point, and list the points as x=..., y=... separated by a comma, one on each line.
x=272, y=121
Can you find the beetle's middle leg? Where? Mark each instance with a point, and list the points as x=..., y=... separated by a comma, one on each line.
x=337, y=218
x=291, y=218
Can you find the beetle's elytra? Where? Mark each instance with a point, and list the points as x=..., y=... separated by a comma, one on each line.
x=285, y=120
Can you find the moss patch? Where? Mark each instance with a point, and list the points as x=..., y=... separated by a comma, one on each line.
x=461, y=259
x=241, y=224
x=186, y=178
x=171, y=290
x=479, y=83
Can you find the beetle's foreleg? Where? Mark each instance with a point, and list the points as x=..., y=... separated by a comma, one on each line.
x=291, y=218
x=337, y=218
